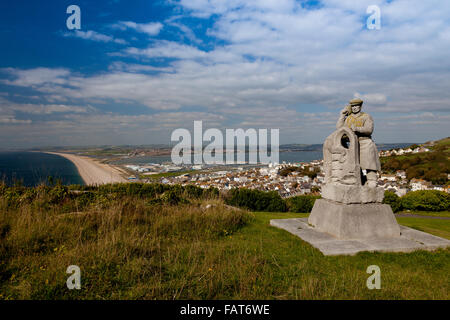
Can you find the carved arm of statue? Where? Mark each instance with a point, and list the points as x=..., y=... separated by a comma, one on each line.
x=367, y=127
x=343, y=115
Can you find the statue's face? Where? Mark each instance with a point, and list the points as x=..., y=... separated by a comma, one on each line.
x=356, y=109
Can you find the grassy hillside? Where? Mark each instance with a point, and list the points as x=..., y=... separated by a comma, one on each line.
x=142, y=244
x=432, y=166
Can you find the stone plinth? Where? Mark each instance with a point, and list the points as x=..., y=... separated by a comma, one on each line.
x=352, y=193
x=354, y=221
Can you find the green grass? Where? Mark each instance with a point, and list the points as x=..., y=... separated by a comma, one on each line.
x=296, y=270
x=131, y=243
x=132, y=250
x=428, y=213
x=442, y=143
x=437, y=227
x=157, y=176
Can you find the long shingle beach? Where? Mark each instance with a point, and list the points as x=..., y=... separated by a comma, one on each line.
x=92, y=171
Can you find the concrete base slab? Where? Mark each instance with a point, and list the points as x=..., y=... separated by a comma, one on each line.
x=409, y=240
x=354, y=221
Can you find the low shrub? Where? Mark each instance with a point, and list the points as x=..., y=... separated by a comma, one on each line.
x=256, y=200
x=302, y=203
x=426, y=200
x=393, y=200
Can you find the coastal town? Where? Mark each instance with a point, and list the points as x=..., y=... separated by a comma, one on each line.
x=288, y=179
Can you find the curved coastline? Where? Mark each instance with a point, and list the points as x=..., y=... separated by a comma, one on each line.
x=93, y=172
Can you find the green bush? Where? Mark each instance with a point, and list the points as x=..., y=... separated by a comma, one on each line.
x=303, y=203
x=210, y=193
x=193, y=192
x=57, y=194
x=393, y=200
x=142, y=190
x=171, y=197
x=426, y=200
x=256, y=200
x=84, y=199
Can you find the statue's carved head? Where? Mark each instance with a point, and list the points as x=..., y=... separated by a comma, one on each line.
x=356, y=105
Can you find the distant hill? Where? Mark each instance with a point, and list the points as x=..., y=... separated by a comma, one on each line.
x=318, y=147
x=433, y=166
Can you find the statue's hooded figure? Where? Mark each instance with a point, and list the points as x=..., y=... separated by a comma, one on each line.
x=362, y=124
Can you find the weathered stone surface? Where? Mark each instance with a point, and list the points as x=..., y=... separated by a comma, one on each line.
x=341, y=161
x=423, y=237
x=362, y=125
x=409, y=240
x=354, y=221
x=352, y=194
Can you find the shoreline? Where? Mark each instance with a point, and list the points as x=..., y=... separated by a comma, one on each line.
x=92, y=171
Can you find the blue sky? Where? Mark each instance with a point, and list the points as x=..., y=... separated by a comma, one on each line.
x=137, y=70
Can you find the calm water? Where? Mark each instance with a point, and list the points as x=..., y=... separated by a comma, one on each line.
x=293, y=156
x=33, y=168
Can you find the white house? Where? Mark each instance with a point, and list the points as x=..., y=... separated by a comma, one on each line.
x=419, y=184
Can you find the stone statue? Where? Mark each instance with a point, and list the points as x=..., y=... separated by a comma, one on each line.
x=346, y=152
x=362, y=125
x=351, y=216
x=351, y=205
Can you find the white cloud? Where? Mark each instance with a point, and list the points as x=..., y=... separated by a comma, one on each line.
x=36, y=76
x=133, y=67
x=151, y=28
x=372, y=98
x=12, y=120
x=187, y=32
x=94, y=36
x=275, y=61
x=167, y=49
x=48, y=109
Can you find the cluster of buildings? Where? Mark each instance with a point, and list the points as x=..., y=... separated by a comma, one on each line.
x=268, y=178
x=264, y=178
x=399, y=152
x=399, y=184
x=154, y=168
x=149, y=169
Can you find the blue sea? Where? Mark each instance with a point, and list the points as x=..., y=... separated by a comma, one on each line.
x=291, y=156
x=34, y=168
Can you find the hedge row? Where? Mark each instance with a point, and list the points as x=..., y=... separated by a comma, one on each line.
x=271, y=201
x=301, y=204
x=426, y=200
x=423, y=200
x=256, y=200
